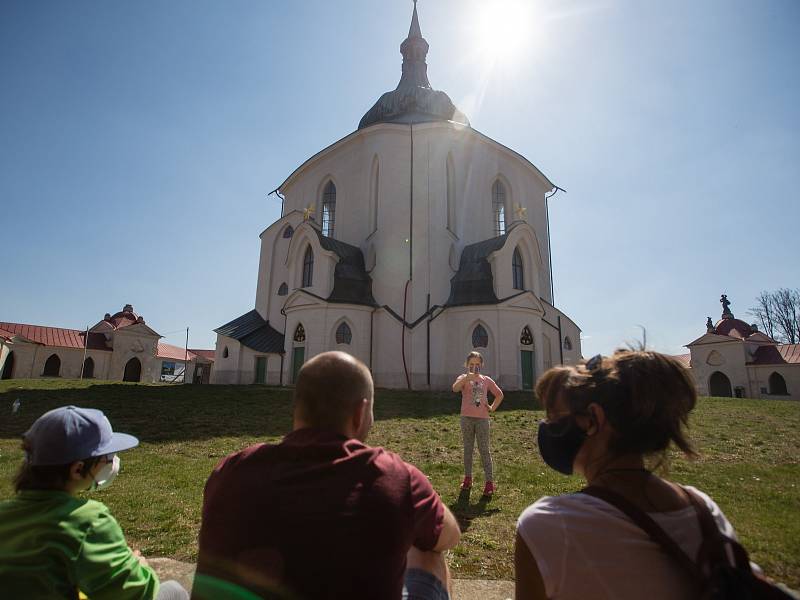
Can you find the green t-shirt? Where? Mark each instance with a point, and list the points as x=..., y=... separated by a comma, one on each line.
x=53, y=544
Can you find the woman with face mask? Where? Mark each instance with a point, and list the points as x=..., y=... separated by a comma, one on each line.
x=56, y=544
x=610, y=420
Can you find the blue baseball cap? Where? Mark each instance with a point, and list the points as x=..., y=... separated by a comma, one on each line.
x=70, y=433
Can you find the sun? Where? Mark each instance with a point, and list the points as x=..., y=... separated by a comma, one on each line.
x=504, y=28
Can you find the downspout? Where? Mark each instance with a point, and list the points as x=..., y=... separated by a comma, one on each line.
x=560, y=341
x=410, y=253
x=428, y=341
x=278, y=194
x=283, y=354
x=371, y=336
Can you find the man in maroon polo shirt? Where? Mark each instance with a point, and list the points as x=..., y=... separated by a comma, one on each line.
x=321, y=514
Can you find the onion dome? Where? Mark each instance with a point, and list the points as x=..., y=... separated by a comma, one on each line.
x=414, y=100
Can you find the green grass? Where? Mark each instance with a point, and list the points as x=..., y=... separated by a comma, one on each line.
x=750, y=462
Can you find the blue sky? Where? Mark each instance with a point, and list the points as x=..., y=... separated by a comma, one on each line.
x=139, y=141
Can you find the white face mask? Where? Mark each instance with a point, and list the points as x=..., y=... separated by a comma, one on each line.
x=106, y=475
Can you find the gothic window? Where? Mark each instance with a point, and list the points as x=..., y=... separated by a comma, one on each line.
x=480, y=339
x=299, y=334
x=52, y=367
x=283, y=289
x=499, y=207
x=288, y=232
x=308, y=268
x=567, y=343
x=328, y=209
x=343, y=334
x=516, y=270
x=225, y=352
x=526, y=338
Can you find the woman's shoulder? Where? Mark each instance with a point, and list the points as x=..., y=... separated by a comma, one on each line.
x=722, y=521
x=560, y=508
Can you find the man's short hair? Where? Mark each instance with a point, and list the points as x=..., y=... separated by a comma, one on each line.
x=330, y=388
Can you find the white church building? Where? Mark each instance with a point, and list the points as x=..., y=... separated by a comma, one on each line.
x=408, y=243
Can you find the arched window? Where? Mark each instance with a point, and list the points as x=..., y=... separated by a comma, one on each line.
x=567, y=343
x=516, y=270
x=308, y=268
x=343, y=334
x=451, y=194
x=777, y=385
x=526, y=338
x=8, y=367
x=299, y=334
x=328, y=209
x=499, y=207
x=52, y=367
x=288, y=232
x=283, y=289
x=88, y=368
x=225, y=352
x=480, y=339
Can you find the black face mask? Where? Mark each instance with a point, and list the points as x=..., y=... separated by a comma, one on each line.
x=559, y=443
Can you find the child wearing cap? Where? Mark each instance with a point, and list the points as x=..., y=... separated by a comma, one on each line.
x=55, y=544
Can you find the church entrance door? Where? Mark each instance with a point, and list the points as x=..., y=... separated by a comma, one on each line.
x=133, y=370
x=8, y=368
x=526, y=359
x=719, y=385
x=298, y=358
x=261, y=369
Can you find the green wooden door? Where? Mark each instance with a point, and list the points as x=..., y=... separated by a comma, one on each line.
x=261, y=369
x=298, y=358
x=526, y=358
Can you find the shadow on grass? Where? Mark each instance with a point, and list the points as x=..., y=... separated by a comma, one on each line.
x=466, y=513
x=158, y=413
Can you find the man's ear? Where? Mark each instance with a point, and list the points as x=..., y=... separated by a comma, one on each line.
x=76, y=471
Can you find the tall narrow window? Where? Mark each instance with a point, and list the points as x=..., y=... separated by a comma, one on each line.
x=516, y=270
x=480, y=339
x=374, y=193
x=328, y=209
x=451, y=195
x=343, y=334
x=499, y=207
x=567, y=343
x=308, y=268
x=283, y=289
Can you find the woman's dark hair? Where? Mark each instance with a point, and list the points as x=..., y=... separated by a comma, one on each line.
x=646, y=396
x=47, y=477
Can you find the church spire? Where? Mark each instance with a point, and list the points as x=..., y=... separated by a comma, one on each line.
x=414, y=50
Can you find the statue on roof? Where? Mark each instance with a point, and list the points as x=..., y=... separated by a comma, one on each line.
x=726, y=304
x=709, y=325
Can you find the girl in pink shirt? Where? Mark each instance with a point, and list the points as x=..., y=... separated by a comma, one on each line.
x=475, y=409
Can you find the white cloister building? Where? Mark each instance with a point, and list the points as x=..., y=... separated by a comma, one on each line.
x=407, y=243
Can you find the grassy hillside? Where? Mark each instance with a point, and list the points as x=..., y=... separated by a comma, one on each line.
x=750, y=462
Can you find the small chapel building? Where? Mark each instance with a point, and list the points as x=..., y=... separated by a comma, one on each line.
x=407, y=243
x=734, y=359
x=120, y=347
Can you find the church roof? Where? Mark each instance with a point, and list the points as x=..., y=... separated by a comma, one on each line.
x=351, y=284
x=733, y=327
x=55, y=336
x=473, y=282
x=414, y=100
x=253, y=331
x=777, y=355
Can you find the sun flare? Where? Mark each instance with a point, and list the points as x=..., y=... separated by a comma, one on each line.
x=504, y=28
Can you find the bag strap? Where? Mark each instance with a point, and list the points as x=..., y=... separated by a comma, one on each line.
x=649, y=526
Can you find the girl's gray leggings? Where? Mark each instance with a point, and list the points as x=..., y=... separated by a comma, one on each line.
x=472, y=427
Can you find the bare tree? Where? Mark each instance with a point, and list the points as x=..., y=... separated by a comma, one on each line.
x=764, y=311
x=779, y=314
x=787, y=314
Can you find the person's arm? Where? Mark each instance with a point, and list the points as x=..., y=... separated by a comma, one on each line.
x=459, y=382
x=107, y=569
x=450, y=534
x=498, y=396
x=528, y=584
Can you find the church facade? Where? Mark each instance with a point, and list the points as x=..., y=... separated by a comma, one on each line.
x=408, y=243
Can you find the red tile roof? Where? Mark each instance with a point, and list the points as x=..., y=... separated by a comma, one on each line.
x=6, y=334
x=777, y=355
x=173, y=352
x=207, y=354
x=684, y=359
x=56, y=336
